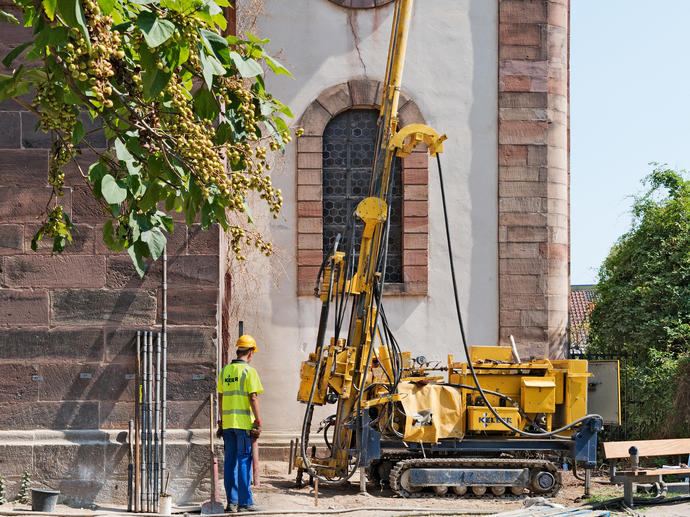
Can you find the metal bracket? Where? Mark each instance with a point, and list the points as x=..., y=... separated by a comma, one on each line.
x=414, y=134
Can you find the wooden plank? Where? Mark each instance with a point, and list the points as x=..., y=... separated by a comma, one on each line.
x=614, y=450
x=652, y=472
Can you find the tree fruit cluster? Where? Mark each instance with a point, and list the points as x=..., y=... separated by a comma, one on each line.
x=184, y=108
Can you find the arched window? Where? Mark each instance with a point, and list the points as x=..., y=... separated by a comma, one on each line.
x=349, y=141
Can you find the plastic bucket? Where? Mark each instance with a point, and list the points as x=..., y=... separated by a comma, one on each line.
x=44, y=500
x=165, y=504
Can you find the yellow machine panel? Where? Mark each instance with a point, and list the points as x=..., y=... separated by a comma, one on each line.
x=491, y=353
x=538, y=394
x=479, y=418
x=306, y=380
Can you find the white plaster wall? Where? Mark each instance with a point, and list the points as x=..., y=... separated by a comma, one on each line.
x=451, y=73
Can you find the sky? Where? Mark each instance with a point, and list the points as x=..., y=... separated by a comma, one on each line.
x=629, y=105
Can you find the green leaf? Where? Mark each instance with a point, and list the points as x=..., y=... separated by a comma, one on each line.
x=8, y=18
x=106, y=6
x=154, y=80
x=14, y=53
x=156, y=30
x=13, y=86
x=246, y=67
x=112, y=192
x=276, y=66
x=216, y=44
x=77, y=133
x=138, y=260
x=151, y=196
x=156, y=241
x=166, y=221
x=122, y=152
x=256, y=40
x=210, y=66
x=205, y=104
x=72, y=13
x=250, y=219
x=49, y=7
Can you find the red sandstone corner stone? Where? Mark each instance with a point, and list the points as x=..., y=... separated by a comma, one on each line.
x=415, y=241
x=415, y=258
x=519, y=11
x=515, y=83
x=309, y=209
x=523, y=34
x=415, y=209
x=309, y=193
x=415, y=176
x=415, y=161
x=415, y=225
x=415, y=192
x=512, y=155
x=309, y=144
x=415, y=274
x=310, y=241
x=309, y=177
x=309, y=257
x=190, y=306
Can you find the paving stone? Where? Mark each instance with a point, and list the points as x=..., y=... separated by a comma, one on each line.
x=104, y=306
x=45, y=344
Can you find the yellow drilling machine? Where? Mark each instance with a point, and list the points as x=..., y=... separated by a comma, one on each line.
x=492, y=424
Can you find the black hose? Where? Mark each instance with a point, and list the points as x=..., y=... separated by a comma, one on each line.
x=464, y=338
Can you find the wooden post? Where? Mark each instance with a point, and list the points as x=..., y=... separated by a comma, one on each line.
x=316, y=491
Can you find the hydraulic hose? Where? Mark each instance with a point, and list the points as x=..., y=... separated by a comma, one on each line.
x=481, y=391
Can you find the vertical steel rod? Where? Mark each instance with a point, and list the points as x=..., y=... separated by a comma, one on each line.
x=290, y=460
x=130, y=467
x=157, y=416
x=164, y=360
x=149, y=502
x=137, y=428
x=144, y=415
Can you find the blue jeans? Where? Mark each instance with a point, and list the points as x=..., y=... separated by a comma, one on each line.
x=237, y=471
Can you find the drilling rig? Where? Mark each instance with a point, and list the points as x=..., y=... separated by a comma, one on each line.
x=490, y=424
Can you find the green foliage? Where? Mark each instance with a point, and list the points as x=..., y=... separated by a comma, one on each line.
x=184, y=108
x=653, y=412
x=644, y=284
x=643, y=306
x=3, y=490
x=24, y=494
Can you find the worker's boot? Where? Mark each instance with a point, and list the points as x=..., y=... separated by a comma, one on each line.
x=231, y=508
x=251, y=508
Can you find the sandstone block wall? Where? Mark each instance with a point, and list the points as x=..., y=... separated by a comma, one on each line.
x=68, y=328
x=533, y=154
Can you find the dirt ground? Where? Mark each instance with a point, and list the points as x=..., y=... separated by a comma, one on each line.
x=278, y=493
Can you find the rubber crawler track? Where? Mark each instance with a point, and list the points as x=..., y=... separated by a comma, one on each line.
x=402, y=466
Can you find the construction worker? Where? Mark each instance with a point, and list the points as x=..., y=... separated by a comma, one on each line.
x=238, y=390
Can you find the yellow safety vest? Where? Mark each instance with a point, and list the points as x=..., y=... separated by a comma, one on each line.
x=236, y=381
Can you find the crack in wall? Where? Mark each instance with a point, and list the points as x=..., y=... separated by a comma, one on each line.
x=351, y=22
